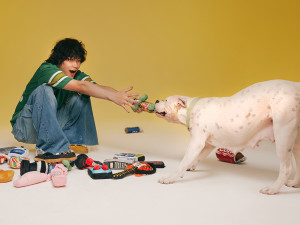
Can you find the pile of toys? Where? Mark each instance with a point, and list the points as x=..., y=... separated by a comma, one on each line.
x=128, y=163
x=123, y=164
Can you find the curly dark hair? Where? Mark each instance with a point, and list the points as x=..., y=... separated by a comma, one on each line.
x=65, y=49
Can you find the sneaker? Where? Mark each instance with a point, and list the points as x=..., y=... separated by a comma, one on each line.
x=79, y=149
x=50, y=158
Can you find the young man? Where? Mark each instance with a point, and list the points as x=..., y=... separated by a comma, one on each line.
x=55, y=108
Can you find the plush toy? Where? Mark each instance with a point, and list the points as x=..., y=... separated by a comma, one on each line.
x=58, y=175
x=30, y=178
x=142, y=105
x=6, y=175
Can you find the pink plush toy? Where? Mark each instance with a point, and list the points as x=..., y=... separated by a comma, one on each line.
x=30, y=178
x=59, y=175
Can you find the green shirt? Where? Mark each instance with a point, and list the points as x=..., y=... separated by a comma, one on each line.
x=49, y=74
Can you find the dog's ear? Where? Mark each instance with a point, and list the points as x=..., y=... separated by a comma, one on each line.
x=181, y=103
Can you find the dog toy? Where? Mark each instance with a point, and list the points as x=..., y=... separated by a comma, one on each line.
x=138, y=168
x=40, y=166
x=9, y=152
x=156, y=164
x=15, y=162
x=19, y=152
x=58, y=175
x=227, y=156
x=3, y=158
x=129, y=130
x=130, y=156
x=67, y=164
x=83, y=162
x=117, y=164
x=142, y=105
x=6, y=150
x=124, y=173
x=102, y=172
x=30, y=178
x=6, y=175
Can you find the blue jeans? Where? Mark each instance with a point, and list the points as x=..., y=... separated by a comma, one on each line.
x=54, y=130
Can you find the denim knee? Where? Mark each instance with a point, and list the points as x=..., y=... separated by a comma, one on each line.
x=43, y=93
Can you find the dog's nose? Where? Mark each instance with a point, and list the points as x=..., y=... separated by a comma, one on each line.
x=157, y=101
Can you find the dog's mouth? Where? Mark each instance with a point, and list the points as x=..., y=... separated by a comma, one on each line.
x=161, y=114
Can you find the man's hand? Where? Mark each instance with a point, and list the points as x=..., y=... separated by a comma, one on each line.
x=123, y=98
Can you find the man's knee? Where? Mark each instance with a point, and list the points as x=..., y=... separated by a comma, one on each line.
x=43, y=94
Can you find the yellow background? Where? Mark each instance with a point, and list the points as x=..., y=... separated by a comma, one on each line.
x=193, y=48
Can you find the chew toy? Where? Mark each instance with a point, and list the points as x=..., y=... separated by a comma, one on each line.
x=130, y=130
x=3, y=158
x=26, y=167
x=142, y=105
x=130, y=156
x=6, y=175
x=100, y=173
x=83, y=162
x=117, y=164
x=19, y=152
x=138, y=168
x=15, y=162
x=225, y=155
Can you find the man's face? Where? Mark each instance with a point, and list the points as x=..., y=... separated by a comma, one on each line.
x=70, y=67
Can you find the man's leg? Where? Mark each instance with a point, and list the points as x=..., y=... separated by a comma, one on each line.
x=37, y=122
x=77, y=121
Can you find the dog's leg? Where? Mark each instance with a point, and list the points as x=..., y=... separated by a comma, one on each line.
x=296, y=151
x=195, y=147
x=285, y=133
x=203, y=155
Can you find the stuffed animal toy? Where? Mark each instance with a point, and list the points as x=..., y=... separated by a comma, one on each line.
x=30, y=178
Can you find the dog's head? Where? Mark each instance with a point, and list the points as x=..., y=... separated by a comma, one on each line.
x=171, y=108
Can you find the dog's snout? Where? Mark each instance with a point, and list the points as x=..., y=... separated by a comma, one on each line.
x=157, y=101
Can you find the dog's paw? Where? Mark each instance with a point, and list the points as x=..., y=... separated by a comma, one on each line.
x=192, y=168
x=166, y=180
x=269, y=191
x=293, y=183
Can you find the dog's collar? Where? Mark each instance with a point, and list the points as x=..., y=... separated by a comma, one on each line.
x=188, y=112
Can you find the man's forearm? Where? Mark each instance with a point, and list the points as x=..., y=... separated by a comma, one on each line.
x=96, y=90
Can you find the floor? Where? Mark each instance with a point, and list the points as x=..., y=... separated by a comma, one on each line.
x=216, y=193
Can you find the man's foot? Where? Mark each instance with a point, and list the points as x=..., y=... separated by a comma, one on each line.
x=50, y=158
x=79, y=149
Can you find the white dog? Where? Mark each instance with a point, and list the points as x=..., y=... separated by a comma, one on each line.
x=264, y=111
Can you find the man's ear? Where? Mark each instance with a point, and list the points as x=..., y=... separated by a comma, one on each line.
x=181, y=103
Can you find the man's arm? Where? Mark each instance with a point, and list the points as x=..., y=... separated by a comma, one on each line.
x=121, y=98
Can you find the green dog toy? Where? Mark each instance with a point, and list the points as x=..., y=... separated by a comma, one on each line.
x=142, y=105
